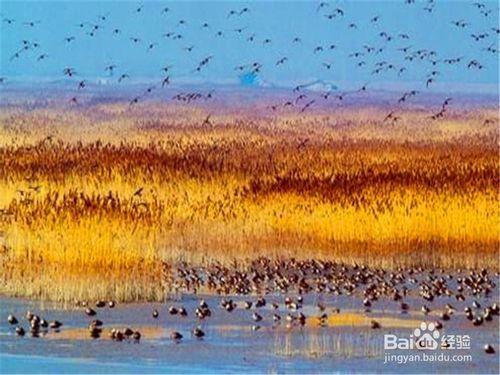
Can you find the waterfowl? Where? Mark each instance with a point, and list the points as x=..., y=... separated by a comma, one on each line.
x=35, y=325
x=55, y=324
x=374, y=324
x=112, y=333
x=229, y=306
x=477, y=321
x=198, y=333
x=35, y=333
x=89, y=311
x=12, y=319
x=256, y=317
x=445, y=316
x=487, y=315
x=136, y=335
x=95, y=332
x=176, y=336
x=172, y=310
x=495, y=309
x=260, y=302
x=302, y=319
x=116, y=335
x=20, y=331
x=111, y=304
x=489, y=349
x=155, y=313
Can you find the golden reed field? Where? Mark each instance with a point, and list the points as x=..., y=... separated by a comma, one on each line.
x=93, y=200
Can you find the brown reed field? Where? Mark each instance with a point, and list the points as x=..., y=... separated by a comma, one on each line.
x=93, y=200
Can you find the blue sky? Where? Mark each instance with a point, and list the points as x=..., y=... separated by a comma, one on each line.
x=279, y=21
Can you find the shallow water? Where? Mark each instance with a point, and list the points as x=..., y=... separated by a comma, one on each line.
x=346, y=344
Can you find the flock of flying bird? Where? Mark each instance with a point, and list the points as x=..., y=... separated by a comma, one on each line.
x=301, y=98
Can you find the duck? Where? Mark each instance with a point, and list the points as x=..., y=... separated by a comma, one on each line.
x=176, y=336
x=116, y=335
x=29, y=315
x=95, y=332
x=301, y=319
x=12, y=319
x=90, y=312
x=489, y=349
x=445, y=316
x=198, y=333
x=55, y=324
x=477, y=321
x=20, y=331
x=172, y=310
x=261, y=302
x=256, y=317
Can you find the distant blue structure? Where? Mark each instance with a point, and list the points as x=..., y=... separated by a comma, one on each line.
x=248, y=79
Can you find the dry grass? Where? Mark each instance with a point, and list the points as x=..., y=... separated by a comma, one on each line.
x=344, y=187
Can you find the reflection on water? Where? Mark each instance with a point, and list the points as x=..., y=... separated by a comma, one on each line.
x=326, y=343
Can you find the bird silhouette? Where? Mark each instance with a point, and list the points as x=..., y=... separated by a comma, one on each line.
x=43, y=56
x=70, y=72
x=308, y=104
x=122, y=77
